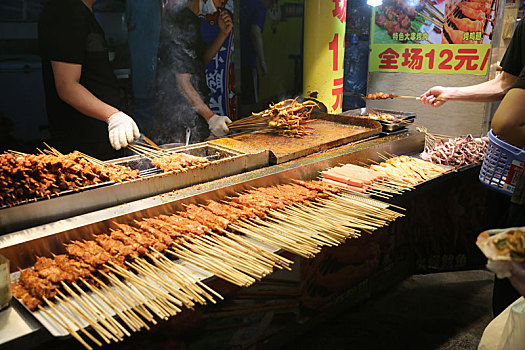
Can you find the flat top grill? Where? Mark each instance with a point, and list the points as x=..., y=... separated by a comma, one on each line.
x=328, y=131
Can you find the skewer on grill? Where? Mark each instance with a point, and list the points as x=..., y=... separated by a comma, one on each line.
x=58, y=318
x=204, y=252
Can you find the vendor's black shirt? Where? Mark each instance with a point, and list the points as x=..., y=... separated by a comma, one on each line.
x=181, y=50
x=514, y=59
x=68, y=32
x=520, y=82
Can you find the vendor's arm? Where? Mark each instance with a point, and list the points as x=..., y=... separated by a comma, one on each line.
x=489, y=91
x=122, y=129
x=225, y=26
x=218, y=124
x=509, y=120
x=69, y=89
x=191, y=95
x=257, y=41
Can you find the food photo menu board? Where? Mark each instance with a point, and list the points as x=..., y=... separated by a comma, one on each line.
x=432, y=36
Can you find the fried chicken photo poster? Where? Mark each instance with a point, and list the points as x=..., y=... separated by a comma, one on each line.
x=432, y=36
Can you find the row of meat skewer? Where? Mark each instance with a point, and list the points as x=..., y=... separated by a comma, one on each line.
x=24, y=177
x=129, y=272
x=29, y=177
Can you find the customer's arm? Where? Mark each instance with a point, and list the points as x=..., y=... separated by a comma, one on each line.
x=489, y=91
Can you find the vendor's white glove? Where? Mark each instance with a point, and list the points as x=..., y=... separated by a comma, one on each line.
x=122, y=130
x=218, y=125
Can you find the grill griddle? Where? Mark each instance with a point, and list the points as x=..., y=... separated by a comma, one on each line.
x=329, y=130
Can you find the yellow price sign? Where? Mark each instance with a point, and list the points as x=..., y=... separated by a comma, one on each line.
x=437, y=59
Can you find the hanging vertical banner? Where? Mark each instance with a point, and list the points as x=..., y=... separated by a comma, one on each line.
x=432, y=36
x=324, y=38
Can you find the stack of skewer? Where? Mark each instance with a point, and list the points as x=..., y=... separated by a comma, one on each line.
x=169, y=160
x=25, y=177
x=364, y=180
x=393, y=176
x=124, y=280
x=286, y=118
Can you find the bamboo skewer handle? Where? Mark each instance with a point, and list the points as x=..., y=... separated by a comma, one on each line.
x=435, y=8
x=431, y=19
x=415, y=97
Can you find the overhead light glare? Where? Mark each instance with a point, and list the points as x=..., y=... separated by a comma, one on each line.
x=374, y=2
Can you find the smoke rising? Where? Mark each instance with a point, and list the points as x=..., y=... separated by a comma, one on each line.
x=181, y=51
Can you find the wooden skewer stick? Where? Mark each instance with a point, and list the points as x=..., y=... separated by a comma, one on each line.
x=219, y=271
x=99, y=329
x=282, y=262
x=301, y=236
x=143, y=285
x=352, y=214
x=288, y=235
x=333, y=233
x=177, y=293
x=171, y=281
x=138, y=298
x=240, y=261
x=113, y=334
x=153, y=144
x=326, y=234
x=81, y=313
x=266, y=258
x=128, y=300
x=233, y=262
x=110, y=318
x=348, y=220
x=162, y=259
x=431, y=12
x=379, y=211
x=435, y=8
x=239, y=251
x=313, y=211
x=262, y=233
x=267, y=239
x=106, y=333
x=438, y=24
x=188, y=283
x=214, y=266
x=63, y=323
x=358, y=210
x=117, y=307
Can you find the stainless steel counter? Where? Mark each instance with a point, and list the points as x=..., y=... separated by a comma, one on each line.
x=22, y=246
x=71, y=204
